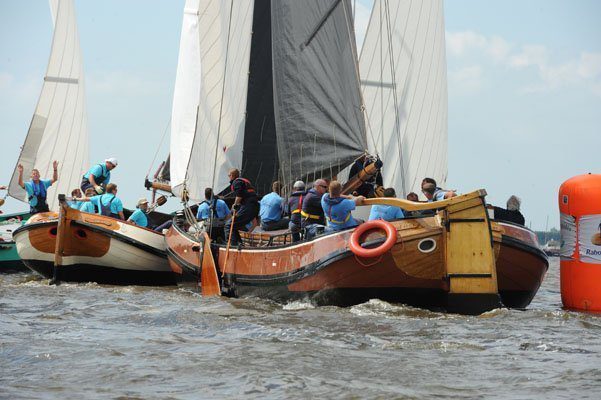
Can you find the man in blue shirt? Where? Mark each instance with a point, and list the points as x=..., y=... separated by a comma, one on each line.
x=212, y=204
x=272, y=207
x=107, y=204
x=385, y=212
x=36, y=188
x=337, y=208
x=86, y=205
x=138, y=217
x=433, y=192
x=76, y=204
x=99, y=175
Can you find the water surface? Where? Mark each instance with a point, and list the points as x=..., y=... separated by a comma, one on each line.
x=95, y=341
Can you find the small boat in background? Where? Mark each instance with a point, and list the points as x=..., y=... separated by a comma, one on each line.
x=552, y=248
x=74, y=246
x=9, y=258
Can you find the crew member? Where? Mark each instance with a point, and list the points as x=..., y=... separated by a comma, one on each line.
x=139, y=217
x=107, y=204
x=87, y=206
x=338, y=207
x=312, y=216
x=271, y=210
x=219, y=210
x=386, y=212
x=433, y=192
x=76, y=204
x=99, y=175
x=295, y=205
x=36, y=188
x=246, y=205
x=512, y=213
x=368, y=187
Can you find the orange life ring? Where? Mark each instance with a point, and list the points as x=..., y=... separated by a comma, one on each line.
x=379, y=224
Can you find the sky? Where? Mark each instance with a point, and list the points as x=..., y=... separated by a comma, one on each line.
x=524, y=87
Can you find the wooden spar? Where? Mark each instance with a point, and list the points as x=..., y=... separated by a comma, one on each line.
x=161, y=186
x=417, y=206
x=470, y=260
x=60, y=238
x=357, y=180
x=209, y=280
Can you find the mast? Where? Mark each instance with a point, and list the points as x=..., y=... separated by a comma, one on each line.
x=58, y=129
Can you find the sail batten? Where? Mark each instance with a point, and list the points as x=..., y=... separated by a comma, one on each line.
x=58, y=129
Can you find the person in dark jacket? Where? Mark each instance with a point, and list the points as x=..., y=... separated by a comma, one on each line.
x=312, y=215
x=367, y=188
x=512, y=213
x=294, y=208
x=246, y=205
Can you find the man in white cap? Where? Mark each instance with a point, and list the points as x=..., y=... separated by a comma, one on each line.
x=138, y=217
x=99, y=175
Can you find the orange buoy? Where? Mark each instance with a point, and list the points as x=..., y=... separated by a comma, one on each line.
x=580, y=213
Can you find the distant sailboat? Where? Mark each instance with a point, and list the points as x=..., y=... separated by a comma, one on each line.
x=92, y=247
x=58, y=129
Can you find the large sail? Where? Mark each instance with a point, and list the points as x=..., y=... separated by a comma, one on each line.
x=222, y=31
x=403, y=72
x=58, y=129
x=318, y=111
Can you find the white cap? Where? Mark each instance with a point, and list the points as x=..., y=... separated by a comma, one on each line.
x=298, y=185
x=141, y=201
x=112, y=160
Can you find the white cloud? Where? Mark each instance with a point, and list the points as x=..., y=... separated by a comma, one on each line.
x=582, y=72
x=459, y=43
x=466, y=80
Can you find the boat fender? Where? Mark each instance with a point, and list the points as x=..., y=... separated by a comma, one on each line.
x=377, y=224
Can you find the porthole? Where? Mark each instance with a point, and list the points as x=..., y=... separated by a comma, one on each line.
x=427, y=245
x=80, y=233
x=52, y=231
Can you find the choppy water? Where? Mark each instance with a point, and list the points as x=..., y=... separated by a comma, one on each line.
x=92, y=341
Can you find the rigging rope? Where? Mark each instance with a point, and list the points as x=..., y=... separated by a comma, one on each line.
x=159, y=147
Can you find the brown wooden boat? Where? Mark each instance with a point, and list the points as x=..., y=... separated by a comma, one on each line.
x=74, y=246
x=457, y=260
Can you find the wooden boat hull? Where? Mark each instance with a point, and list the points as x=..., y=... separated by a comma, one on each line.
x=416, y=271
x=96, y=249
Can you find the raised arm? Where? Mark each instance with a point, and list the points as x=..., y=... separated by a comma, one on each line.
x=20, y=169
x=55, y=174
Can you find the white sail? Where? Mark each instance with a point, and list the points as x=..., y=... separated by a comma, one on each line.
x=223, y=42
x=403, y=74
x=58, y=129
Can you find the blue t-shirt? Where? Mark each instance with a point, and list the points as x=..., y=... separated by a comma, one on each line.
x=116, y=205
x=99, y=170
x=339, y=214
x=271, y=207
x=75, y=204
x=40, y=188
x=385, y=212
x=139, y=218
x=438, y=195
x=88, y=207
x=204, y=210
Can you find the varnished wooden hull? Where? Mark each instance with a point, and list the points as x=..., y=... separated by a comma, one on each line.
x=326, y=272
x=96, y=249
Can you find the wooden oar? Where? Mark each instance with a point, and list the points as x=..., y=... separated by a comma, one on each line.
x=229, y=241
x=60, y=239
x=209, y=280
